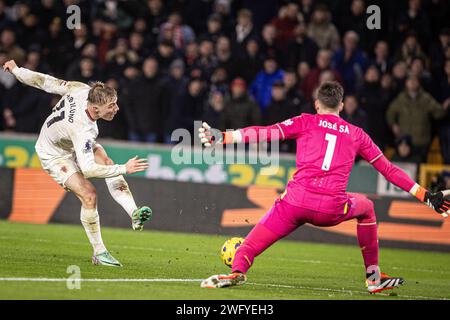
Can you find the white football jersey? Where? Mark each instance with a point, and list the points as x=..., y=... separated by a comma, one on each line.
x=69, y=129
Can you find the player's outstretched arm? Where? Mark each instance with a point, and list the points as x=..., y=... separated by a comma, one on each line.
x=439, y=201
x=83, y=145
x=288, y=129
x=91, y=169
x=41, y=81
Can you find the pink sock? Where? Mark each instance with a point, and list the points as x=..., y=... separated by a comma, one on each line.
x=368, y=241
x=258, y=240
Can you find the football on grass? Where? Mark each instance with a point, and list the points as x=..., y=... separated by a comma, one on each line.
x=229, y=249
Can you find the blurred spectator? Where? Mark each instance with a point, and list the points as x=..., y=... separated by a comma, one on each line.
x=410, y=114
x=414, y=20
x=137, y=44
x=143, y=103
x=410, y=49
x=280, y=109
x=29, y=31
x=189, y=106
x=301, y=48
x=240, y=110
x=444, y=98
x=261, y=88
x=285, y=23
x=80, y=39
x=437, y=52
x=381, y=57
x=399, y=75
x=7, y=80
x=182, y=33
x=292, y=90
x=34, y=62
x=119, y=58
x=4, y=20
x=302, y=72
x=85, y=71
x=225, y=58
x=323, y=63
x=165, y=54
x=353, y=114
x=25, y=108
x=107, y=36
x=214, y=110
x=268, y=44
x=219, y=80
x=440, y=182
x=191, y=54
x=306, y=9
x=9, y=46
x=154, y=17
x=250, y=62
x=374, y=100
x=56, y=47
x=173, y=85
x=223, y=9
x=417, y=69
x=350, y=62
x=322, y=30
x=404, y=151
x=244, y=29
x=355, y=18
x=214, y=27
x=2, y=98
x=206, y=61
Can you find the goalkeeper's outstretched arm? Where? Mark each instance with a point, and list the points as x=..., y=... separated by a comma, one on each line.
x=288, y=129
x=439, y=201
x=42, y=81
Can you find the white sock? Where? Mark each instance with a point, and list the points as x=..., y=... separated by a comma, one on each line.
x=91, y=223
x=119, y=190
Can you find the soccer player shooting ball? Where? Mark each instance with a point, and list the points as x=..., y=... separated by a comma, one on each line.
x=326, y=150
x=68, y=151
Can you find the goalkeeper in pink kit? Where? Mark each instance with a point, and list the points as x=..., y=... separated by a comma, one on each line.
x=326, y=150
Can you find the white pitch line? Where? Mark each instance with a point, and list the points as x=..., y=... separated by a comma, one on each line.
x=349, y=292
x=343, y=264
x=97, y=280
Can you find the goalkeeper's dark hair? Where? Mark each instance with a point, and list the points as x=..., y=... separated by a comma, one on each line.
x=100, y=93
x=330, y=94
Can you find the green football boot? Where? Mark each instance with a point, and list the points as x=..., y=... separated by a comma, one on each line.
x=105, y=259
x=139, y=217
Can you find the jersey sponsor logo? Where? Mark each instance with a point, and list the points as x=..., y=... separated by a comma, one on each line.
x=288, y=122
x=334, y=126
x=87, y=146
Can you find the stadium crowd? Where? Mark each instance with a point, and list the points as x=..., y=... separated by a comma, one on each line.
x=235, y=63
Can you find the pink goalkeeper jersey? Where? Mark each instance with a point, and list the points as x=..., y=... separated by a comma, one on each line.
x=326, y=150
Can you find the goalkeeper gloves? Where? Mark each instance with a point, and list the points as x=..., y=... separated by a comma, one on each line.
x=209, y=136
x=438, y=201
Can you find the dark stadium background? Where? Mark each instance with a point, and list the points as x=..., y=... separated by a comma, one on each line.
x=176, y=61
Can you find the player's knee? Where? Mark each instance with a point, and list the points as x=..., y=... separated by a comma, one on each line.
x=89, y=198
x=109, y=162
x=369, y=215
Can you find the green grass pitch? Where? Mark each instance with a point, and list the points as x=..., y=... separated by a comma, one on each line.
x=288, y=270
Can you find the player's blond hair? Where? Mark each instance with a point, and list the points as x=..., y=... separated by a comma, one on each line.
x=100, y=93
